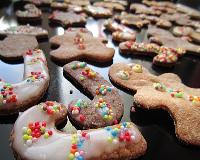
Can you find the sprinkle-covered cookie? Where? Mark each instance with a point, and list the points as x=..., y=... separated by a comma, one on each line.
x=166, y=92
x=105, y=109
x=79, y=43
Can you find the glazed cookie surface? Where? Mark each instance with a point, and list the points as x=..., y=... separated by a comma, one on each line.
x=105, y=109
x=78, y=43
x=19, y=96
x=166, y=92
x=34, y=134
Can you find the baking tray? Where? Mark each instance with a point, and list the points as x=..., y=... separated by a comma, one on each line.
x=156, y=125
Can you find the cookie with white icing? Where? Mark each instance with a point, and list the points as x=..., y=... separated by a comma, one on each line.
x=119, y=36
x=105, y=109
x=20, y=96
x=15, y=46
x=25, y=30
x=35, y=137
x=30, y=13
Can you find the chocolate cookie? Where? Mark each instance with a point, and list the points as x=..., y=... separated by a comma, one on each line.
x=98, y=12
x=40, y=2
x=67, y=19
x=31, y=13
x=14, y=46
x=25, y=30
x=132, y=20
x=18, y=97
x=110, y=5
x=163, y=56
x=166, y=92
x=164, y=37
x=35, y=132
x=104, y=110
x=143, y=9
x=78, y=43
x=59, y=6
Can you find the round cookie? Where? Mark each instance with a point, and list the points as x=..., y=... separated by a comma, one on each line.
x=19, y=96
x=105, y=109
x=35, y=137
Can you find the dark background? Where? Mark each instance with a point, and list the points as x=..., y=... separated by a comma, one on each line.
x=156, y=125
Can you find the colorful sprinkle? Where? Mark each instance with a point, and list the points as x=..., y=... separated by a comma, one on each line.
x=103, y=89
x=137, y=68
x=124, y=75
x=159, y=87
x=78, y=65
x=35, y=76
x=51, y=108
x=7, y=95
x=75, y=109
x=89, y=73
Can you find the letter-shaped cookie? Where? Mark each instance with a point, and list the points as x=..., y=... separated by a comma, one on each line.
x=18, y=97
x=35, y=137
x=105, y=109
x=166, y=92
x=78, y=43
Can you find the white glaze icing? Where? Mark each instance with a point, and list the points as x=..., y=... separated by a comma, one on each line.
x=24, y=90
x=59, y=144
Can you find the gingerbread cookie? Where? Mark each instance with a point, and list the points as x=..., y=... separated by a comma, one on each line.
x=110, y=5
x=78, y=43
x=163, y=56
x=165, y=4
x=120, y=36
x=67, y=19
x=31, y=13
x=164, y=37
x=59, y=6
x=132, y=20
x=188, y=10
x=40, y=2
x=35, y=132
x=20, y=96
x=186, y=32
x=143, y=9
x=166, y=92
x=25, y=30
x=98, y=12
x=75, y=8
x=14, y=46
x=78, y=2
x=122, y=2
x=105, y=109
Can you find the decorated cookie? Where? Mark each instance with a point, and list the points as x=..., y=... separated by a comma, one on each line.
x=132, y=20
x=19, y=96
x=98, y=12
x=163, y=56
x=110, y=5
x=143, y=9
x=59, y=6
x=187, y=32
x=35, y=134
x=113, y=26
x=40, y=2
x=14, y=46
x=67, y=19
x=120, y=36
x=164, y=37
x=188, y=10
x=165, y=4
x=25, y=30
x=104, y=110
x=75, y=8
x=78, y=2
x=31, y=13
x=78, y=43
x=166, y=92
x=122, y=2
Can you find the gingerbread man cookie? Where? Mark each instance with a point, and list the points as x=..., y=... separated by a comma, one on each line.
x=14, y=46
x=105, y=109
x=67, y=19
x=35, y=134
x=25, y=30
x=164, y=37
x=19, y=96
x=163, y=56
x=78, y=43
x=31, y=13
x=166, y=92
